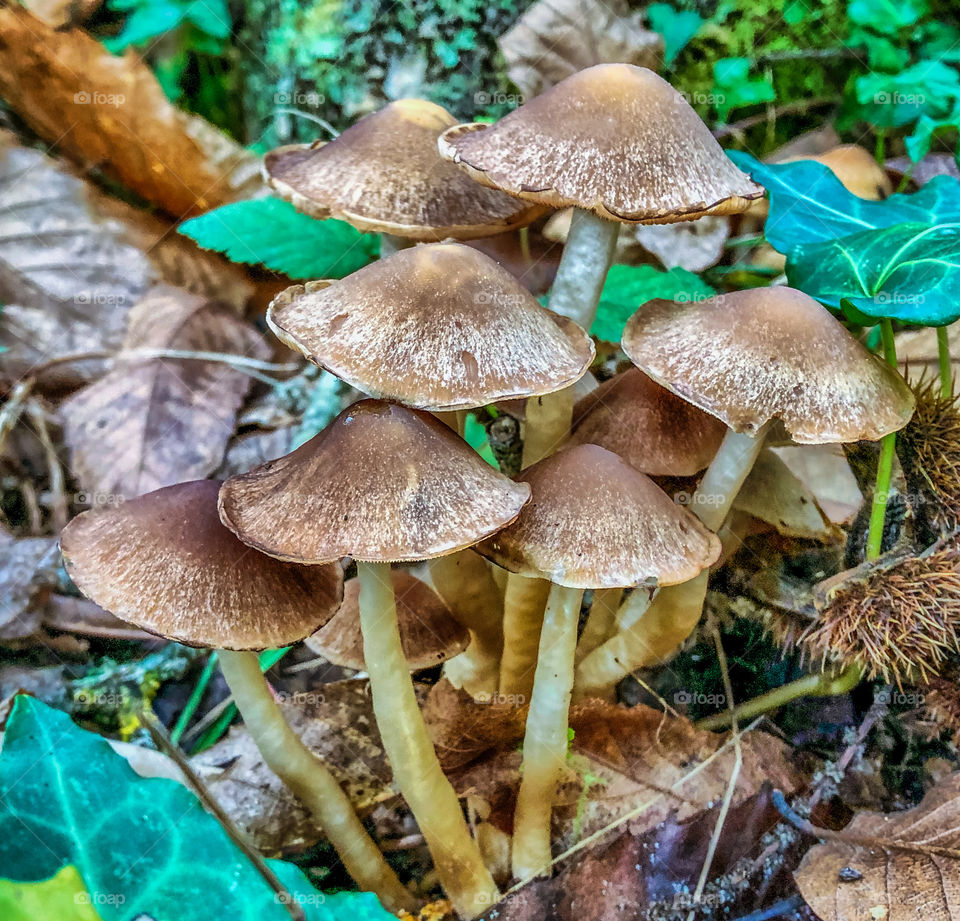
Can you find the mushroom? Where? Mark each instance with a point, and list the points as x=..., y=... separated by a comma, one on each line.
x=385, y=175
x=429, y=634
x=748, y=358
x=443, y=327
x=384, y=483
x=592, y=522
x=166, y=564
x=620, y=145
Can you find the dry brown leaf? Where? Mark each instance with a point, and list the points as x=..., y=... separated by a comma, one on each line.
x=253, y=449
x=73, y=262
x=158, y=421
x=28, y=570
x=917, y=352
x=59, y=13
x=556, y=38
x=843, y=881
x=336, y=721
x=109, y=113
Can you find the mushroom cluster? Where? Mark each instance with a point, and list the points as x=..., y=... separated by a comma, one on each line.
x=431, y=331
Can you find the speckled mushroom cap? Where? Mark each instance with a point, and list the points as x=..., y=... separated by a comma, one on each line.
x=614, y=139
x=595, y=522
x=381, y=483
x=165, y=563
x=385, y=174
x=437, y=327
x=769, y=353
x=428, y=633
x=651, y=428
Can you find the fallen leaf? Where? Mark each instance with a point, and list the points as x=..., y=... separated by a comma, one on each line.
x=336, y=721
x=157, y=421
x=29, y=568
x=63, y=897
x=253, y=449
x=79, y=615
x=873, y=881
x=556, y=38
x=111, y=114
x=73, y=262
x=690, y=245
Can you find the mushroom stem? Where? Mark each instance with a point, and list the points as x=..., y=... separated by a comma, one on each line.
x=586, y=258
x=600, y=621
x=465, y=582
x=416, y=770
x=390, y=244
x=310, y=780
x=675, y=611
x=523, y=604
x=545, y=741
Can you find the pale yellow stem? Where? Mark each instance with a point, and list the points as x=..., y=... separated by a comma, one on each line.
x=523, y=605
x=465, y=582
x=310, y=780
x=416, y=770
x=547, y=424
x=600, y=623
x=545, y=741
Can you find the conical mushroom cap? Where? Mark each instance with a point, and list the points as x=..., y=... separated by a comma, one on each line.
x=652, y=429
x=381, y=483
x=165, y=563
x=752, y=356
x=613, y=139
x=385, y=174
x=437, y=327
x=595, y=522
x=428, y=633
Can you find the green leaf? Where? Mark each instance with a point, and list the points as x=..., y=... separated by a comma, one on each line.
x=142, y=846
x=629, y=286
x=146, y=23
x=63, y=897
x=678, y=27
x=808, y=204
x=211, y=17
x=919, y=142
x=734, y=89
x=892, y=100
x=888, y=16
x=907, y=272
x=475, y=435
x=271, y=232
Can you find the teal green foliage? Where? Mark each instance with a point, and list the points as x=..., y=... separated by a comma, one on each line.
x=678, y=27
x=272, y=233
x=629, y=286
x=475, y=435
x=898, y=258
x=734, y=88
x=142, y=846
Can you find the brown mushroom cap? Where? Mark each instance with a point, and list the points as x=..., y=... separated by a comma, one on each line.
x=437, y=327
x=428, y=633
x=165, y=563
x=382, y=483
x=751, y=356
x=652, y=429
x=385, y=174
x=614, y=139
x=595, y=522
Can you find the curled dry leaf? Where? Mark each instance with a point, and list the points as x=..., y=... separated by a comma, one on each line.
x=110, y=113
x=157, y=421
x=871, y=880
x=336, y=721
x=28, y=571
x=73, y=262
x=556, y=38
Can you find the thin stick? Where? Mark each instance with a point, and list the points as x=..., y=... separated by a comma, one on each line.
x=165, y=744
x=240, y=362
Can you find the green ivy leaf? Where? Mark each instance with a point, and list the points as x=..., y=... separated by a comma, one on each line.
x=63, y=897
x=475, y=435
x=629, y=286
x=908, y=272
x=892, y=100
x=887, y=16
x=211, y=17
x=146, y=23
x=271, y=232
x=142, y=846
x=734, y=89
x=808, y=204
x=678, y=27
x=919, y=141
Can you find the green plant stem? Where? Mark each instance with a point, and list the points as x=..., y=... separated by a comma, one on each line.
x=416, y=769
x=814, y=685
x=881, y=492
x=194, y=701
x=879, y=151
x=946, y=366
x=310, y=779
x=545, y=740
